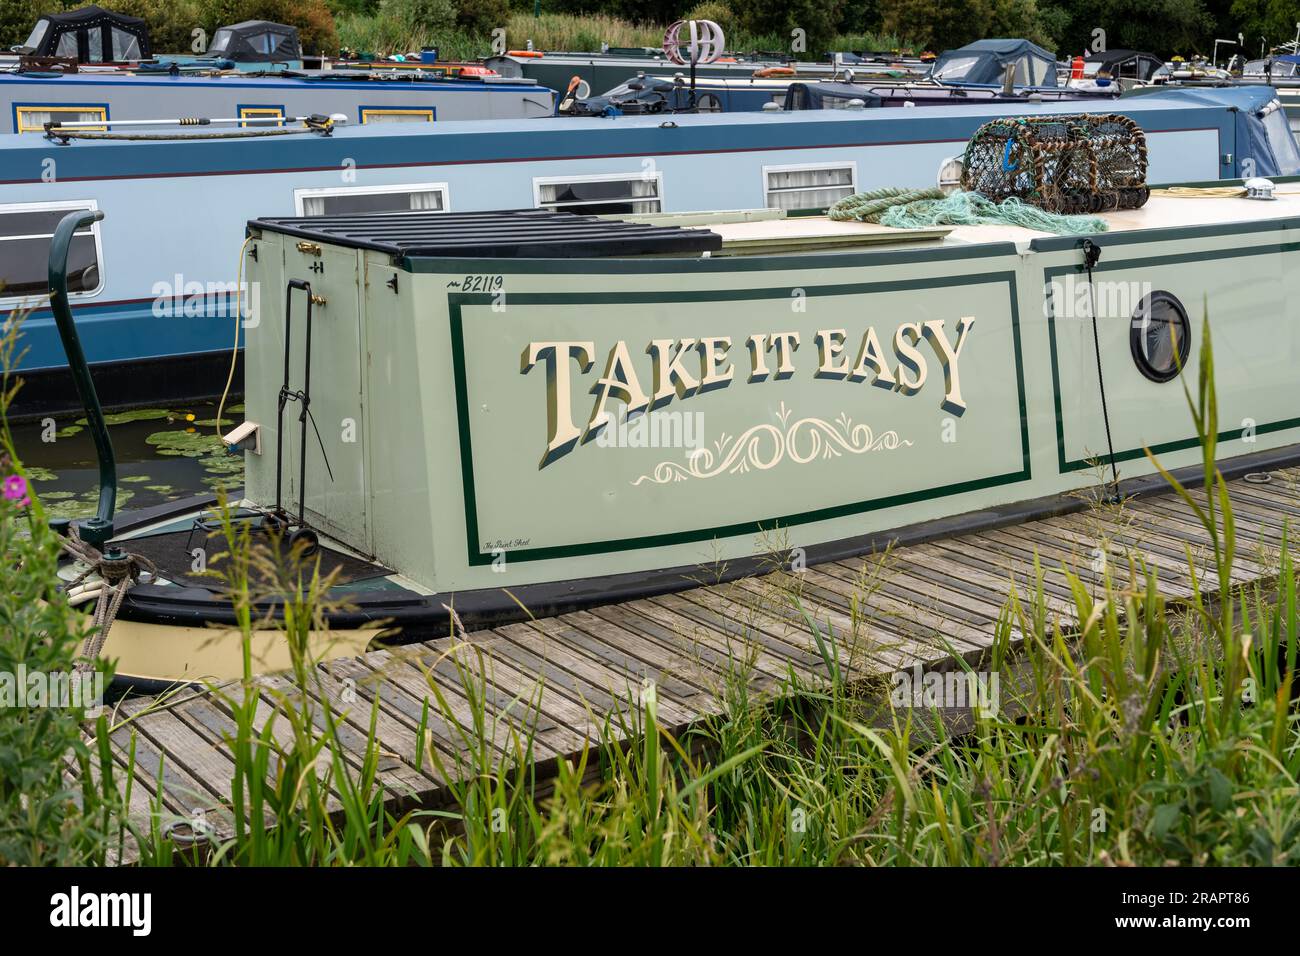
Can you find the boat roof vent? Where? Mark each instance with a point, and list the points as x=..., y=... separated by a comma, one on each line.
x=515, y=234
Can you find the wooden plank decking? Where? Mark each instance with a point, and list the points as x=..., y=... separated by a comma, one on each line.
x=564, y=677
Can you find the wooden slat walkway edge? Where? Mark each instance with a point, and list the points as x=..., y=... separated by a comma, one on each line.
x=562, y=681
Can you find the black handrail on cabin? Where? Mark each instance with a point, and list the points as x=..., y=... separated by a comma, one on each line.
x=97, y=530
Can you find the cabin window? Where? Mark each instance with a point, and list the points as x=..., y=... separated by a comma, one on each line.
x=601, y=195
x=126, y=46
x=1160, y=337
x=358, y=200
x=807, y=187
x=38, y=34
x=956, y=68
x=385, y=115
x=261, y=112
x=67, y=46
x=25, y=233
x=32, y=119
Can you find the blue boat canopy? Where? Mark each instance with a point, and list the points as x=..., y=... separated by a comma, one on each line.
x=1265, y=145
x=984, y=61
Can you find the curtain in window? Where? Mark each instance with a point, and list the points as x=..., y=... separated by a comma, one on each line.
x=428, y=201
x=628, y=196
x=397, y=118
x=808, y=188
x=35, y=119
x=346, y=204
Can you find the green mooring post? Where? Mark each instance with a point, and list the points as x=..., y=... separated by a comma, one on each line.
x=99, y=529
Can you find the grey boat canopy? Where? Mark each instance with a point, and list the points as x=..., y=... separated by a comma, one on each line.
x=89, y=35
x=985, y=61
x=255, y=41
x=514, y=234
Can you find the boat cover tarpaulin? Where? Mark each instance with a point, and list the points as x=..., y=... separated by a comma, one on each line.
x=256, y=41
x=1264, y=136
x=821, y=96
x=90, y=35
x=985, y=61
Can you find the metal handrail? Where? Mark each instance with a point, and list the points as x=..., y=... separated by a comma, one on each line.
x=97, y=530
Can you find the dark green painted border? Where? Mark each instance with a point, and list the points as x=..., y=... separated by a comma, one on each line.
x=456, y=300
x=1104, y=239
x=1129, y=454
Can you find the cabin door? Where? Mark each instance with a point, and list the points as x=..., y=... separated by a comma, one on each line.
x=334, y=477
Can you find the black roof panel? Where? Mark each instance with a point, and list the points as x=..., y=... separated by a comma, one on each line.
x=515, y=234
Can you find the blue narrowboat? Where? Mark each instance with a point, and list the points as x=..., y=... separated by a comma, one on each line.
x=154, y=286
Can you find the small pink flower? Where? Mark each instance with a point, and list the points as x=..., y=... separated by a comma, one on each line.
x=16, y=490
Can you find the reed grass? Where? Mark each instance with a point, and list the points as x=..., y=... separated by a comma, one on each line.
x=1147, y=733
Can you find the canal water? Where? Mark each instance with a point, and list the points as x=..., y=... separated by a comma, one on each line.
x=163, y=454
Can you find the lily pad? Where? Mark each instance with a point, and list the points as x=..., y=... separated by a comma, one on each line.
x=36, y=473
x=190, y=444
x=136, y=415
x=213, y=423
x=70, y=508
x=223, y=464
x=136, y=478
x=68, y=431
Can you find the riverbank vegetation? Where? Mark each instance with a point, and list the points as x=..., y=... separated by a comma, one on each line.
x=463, y=28
x=1150, y=733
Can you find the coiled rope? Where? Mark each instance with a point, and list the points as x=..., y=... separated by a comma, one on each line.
x=118, y=574
x=917, y=208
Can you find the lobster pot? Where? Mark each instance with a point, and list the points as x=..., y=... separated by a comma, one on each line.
x=1063, y=164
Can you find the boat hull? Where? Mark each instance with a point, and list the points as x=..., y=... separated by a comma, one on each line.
x=149, y=657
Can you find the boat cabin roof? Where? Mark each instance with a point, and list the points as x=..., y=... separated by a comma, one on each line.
x=542, y=234
x=1177, y=211
x=515, y=234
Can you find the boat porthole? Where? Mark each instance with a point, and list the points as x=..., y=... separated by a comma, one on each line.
x=1160, y=336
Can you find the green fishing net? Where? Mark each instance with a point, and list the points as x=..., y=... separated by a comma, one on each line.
x=918, y=208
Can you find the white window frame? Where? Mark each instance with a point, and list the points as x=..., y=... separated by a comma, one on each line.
x=301, y=194
x=70, y=205
x=851, y=166
x=540, y=181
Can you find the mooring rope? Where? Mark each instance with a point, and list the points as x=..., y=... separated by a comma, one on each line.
x=917, y=208
x=118, y=574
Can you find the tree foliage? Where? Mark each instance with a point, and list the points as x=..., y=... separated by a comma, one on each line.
x=1163, y=27
x=943, y=24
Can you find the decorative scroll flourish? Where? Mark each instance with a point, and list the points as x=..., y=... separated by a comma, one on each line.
x=764, y=446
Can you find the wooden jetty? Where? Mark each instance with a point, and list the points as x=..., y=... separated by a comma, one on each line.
x=562, y=678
